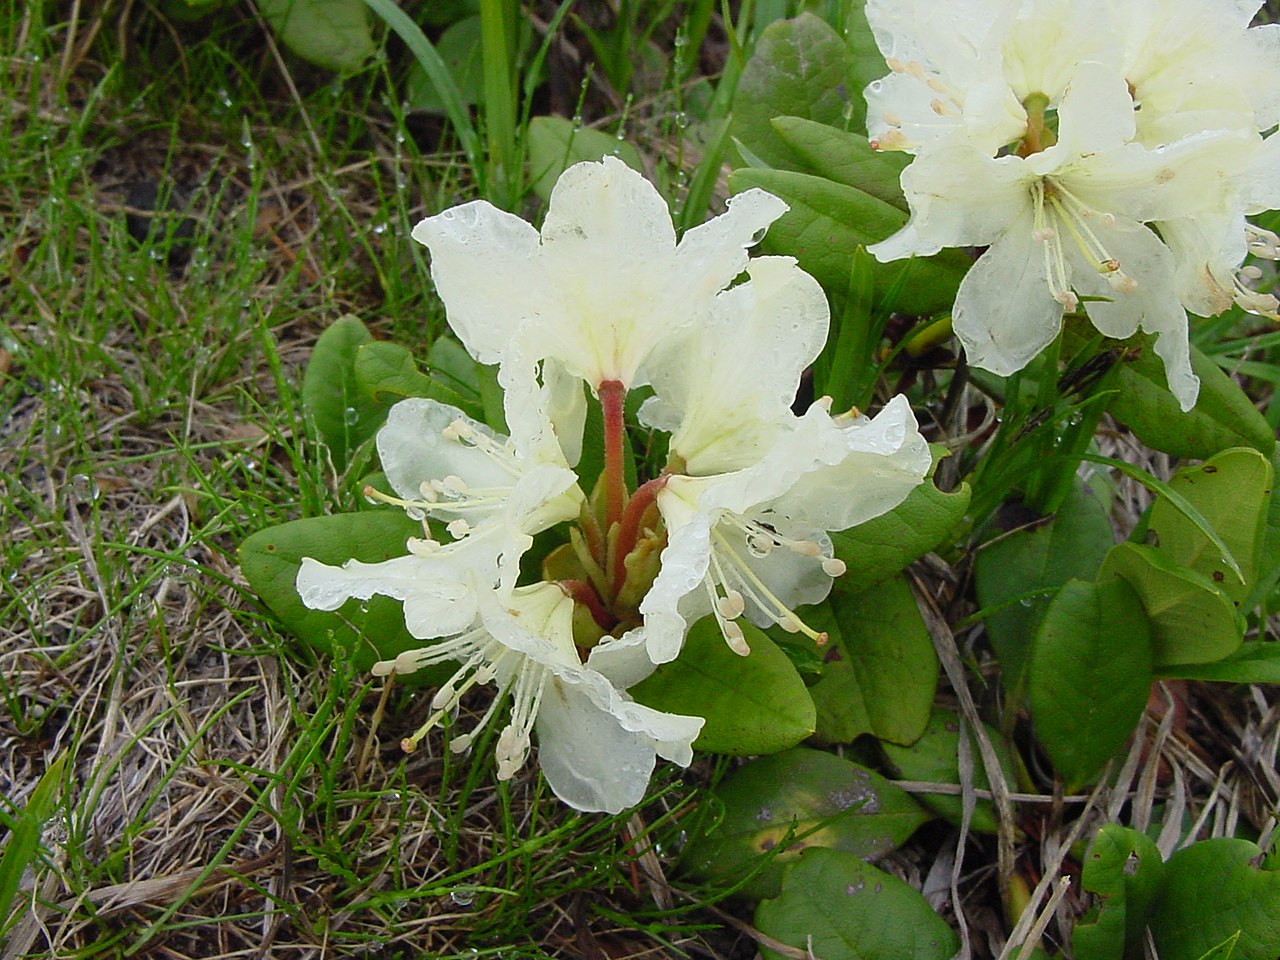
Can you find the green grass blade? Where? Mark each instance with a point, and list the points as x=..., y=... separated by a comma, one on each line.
x=435, y=68
x=25, y=839
x=497, y=48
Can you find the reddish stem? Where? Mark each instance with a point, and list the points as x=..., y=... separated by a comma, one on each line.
x=629, y=527
x=612, y=393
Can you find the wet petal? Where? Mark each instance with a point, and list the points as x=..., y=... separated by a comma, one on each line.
x=1004, y=313
x=484, y=262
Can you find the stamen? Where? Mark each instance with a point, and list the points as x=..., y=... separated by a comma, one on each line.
x=1254, y=301
x=757, y=591
x=422, y=546
x=1262, y=243
x=732, y=605
x=458, y=528
x=513, y=742
x=734, y=637
x=834, y=567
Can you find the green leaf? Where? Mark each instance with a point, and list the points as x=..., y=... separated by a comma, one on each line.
x=387, y=373
x=333, y=34
x=1223, y=416
x=24, y=838
x=1268, y=565
x=935, y=758
x=868, y=62
x=1089, y=675
x=1192, y=620
x=801, y=68
x=1231, y=491
x=344, y=416
x=429, y=58
x=459, y=50
x=839, y=907
x=876, y=550
x=1257, y=661
x=884, y=638
x=450, y=363
x=753, y=704
x=556, y=143
x=373, y=630
x=1123, y=867
x=803, y=798
x=827, y=221
x=840, y=705
x=1212, y=890
x=1018, y=572
x=845, y=157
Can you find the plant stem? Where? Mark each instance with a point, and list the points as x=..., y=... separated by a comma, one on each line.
x=612, y=393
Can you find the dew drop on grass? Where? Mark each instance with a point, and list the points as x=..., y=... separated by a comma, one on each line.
x=350, y=416
x=84, y=488
x=462, y=896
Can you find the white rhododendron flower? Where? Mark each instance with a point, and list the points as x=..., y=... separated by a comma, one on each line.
x=602, y=283
x=492, y=493
x=753, y=488
x=1031, y=117
x=1063, y=224
x=754, y=542
x=596, y=746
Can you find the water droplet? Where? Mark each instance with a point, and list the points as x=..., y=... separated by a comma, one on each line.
x=463, y=896
x=350, y=416
x=84, y=488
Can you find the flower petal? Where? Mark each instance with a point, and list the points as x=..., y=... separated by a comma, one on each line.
x=724, y=387
x=959, y=197
x=412, y=447
x=711, y=254
x=589, y=760
x=1151, y=305
x=484, y=262
x=1004, y=313
x=887, y=459
x=438, y=599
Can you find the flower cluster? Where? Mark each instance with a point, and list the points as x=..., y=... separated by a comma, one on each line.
x=601, y=301
x=1106, y=154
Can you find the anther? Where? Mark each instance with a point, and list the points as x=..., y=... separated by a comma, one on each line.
x=731, y=605
x=834, y=567
x=734, y=637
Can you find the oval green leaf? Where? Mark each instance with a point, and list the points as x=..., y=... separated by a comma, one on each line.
x=1223, y=416
x=1192, y=620
x=840, y=907
x=752, y=704
x=1232, y=492
x=1211, y=891
x=876, y=550
x=1089, y=675
x=884, y=639
x=935, y=758
x=795, y=800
